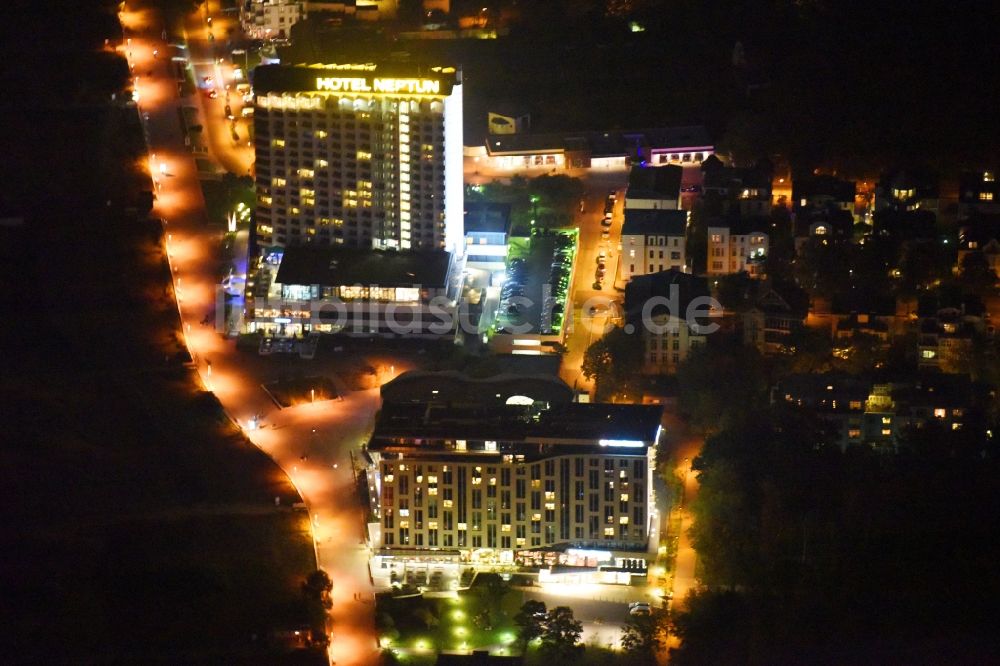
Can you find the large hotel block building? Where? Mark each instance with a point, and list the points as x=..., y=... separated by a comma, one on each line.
x=488, y=481
x=362, y=155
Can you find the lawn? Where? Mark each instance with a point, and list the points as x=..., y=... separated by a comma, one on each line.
x=224, y=195
x=481, y=617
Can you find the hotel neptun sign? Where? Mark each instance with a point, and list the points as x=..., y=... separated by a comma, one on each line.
x=388, y=86
x=357, y=80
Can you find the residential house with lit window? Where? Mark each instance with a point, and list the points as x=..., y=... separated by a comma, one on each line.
x=742, y=190
x=839, y=399
x=771, y=321
x=860, y=411
x=948, y=332
x=980, y=236
x=653, y=241
x=269, y=19
x=872, y=315
x=978, y=192
x=908, y=190
x=670, y=311
x=823, y=193
x=823, y=209
x=738, y=245
x=952, y=400
x=483, y=482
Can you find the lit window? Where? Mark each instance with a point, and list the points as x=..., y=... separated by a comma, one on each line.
x=609, y=531
x=940, y=413
x=623, y=520
x=986, y=196
x=886, y=432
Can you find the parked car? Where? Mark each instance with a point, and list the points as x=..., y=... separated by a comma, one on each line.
x=639, y=608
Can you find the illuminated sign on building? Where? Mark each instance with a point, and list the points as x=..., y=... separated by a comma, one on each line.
x=629, y=443
x=392, y=86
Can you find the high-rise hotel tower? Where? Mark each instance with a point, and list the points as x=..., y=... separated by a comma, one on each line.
x=360, y=155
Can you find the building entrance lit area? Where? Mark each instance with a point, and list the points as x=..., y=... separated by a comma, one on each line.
x=495, y=474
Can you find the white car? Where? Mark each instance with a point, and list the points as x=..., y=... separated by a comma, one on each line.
x=637, y=608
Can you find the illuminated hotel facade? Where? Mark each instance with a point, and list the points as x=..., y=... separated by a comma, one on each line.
x=487, y=483
x=366, y=156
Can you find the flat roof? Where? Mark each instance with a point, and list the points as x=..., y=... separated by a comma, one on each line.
x=487, y=216
x=741, y=226
x=645, y=222
x=654, y=182
x=571, y=422
x=302, y=77
x=603, y=144
x=452, y=387
x=338, y=266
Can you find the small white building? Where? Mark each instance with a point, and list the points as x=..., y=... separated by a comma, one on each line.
x=653, y=241
x=270, y=19
x=487, y=226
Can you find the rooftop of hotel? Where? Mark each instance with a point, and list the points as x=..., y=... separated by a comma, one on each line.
x=302, y=77
x=567, y=423
x=453, y=387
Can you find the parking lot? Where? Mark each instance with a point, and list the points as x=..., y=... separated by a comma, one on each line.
x=537, y=281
